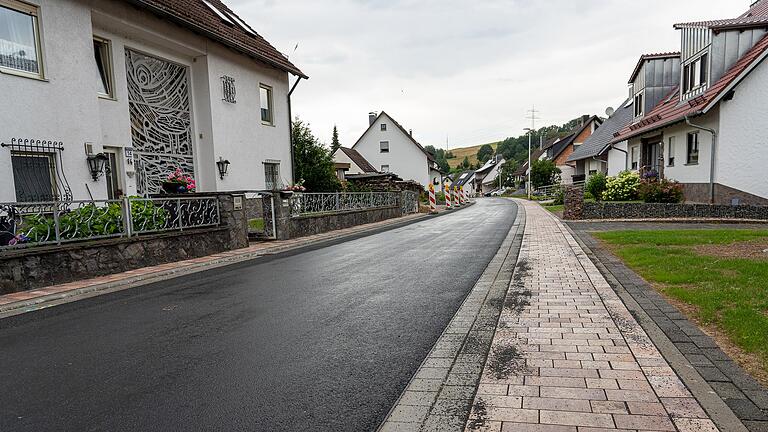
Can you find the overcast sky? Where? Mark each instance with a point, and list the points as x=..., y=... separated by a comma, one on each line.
x=466, y=70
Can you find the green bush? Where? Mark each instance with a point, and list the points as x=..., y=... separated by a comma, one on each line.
x=660, y=191
x=596, y=186
x=623, y=187
x=559, y=193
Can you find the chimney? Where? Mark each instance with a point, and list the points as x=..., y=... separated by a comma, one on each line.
x=372, y=117
x=584, y=119
x=410, y=132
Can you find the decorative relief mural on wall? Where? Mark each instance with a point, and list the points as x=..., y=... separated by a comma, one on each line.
x=158, y=102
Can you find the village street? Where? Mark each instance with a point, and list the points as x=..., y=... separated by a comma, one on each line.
x=321, y=339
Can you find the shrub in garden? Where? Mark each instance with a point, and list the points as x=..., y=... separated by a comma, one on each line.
x=596, y=186
x=559, y=193
x=623, y=187
x=661, y=191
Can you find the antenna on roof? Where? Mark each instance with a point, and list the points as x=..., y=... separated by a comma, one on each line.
x=609, y=111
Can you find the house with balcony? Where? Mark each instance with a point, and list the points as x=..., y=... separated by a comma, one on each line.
x=709, y=130
x=389, y=147
x=106, y=98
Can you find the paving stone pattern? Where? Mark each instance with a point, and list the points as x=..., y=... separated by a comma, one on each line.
x=439, y=396
x=567, y=354
x=744, y=396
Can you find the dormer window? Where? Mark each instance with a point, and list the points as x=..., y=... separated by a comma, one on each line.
x=639, y=109
x=695, y=74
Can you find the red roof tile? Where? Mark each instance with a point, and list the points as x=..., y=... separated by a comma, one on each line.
x=671, y=110
x=196, y=16
x=757, y=15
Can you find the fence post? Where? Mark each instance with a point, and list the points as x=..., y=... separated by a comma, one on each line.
x=127, y=220
x=56, y=226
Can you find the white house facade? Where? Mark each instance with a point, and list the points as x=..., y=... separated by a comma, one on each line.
x=146, y=85
x=709, y=133
x=390, y=148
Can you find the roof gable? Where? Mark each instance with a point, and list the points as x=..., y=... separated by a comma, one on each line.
x=359, y=160
x=596, y=144
x=672, y=110
x=222, y=25
x=407, y=134
x=646, y=57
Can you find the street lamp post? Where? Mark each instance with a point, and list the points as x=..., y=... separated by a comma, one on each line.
x=530, y=168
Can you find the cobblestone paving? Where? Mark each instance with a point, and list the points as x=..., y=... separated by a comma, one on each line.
x=567, y=354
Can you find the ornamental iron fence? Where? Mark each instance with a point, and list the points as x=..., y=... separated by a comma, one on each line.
x=315, y=203
x=24, y=224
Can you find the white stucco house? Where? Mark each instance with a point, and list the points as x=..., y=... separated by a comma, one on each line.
x=147, y=85
x=349, y=161
x=390, y=148
x=709, y=131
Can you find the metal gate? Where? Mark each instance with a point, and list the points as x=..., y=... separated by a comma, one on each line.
x=161, y=126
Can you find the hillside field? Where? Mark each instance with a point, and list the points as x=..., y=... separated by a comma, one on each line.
x=460, y=153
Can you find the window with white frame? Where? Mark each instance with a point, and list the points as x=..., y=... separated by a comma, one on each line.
x=20, y=51
x=384, y=146
x=634, y=157
x=383, y=127
x=102, y=55
x=671, y=152
x=385, y=168
x=639, y=109
x=692, y=157
x=695, y=74
x=272, y=176
x=267, y=106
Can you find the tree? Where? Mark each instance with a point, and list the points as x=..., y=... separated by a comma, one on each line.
x=485, y=153
x=465, y=164
x=313, y=162
x=335, y=144
x=544, y=173
x=506, y=176
x=440, y=157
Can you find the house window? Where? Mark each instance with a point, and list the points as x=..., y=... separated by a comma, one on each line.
x=20, y=39
x=639, y=105
x=385, y=168
x=383, y=127
x=267, y=107
x=693, y=149
x=102, y=54
x=695, y=74
x=384, y=147
x=34, y=176
x=272, y=176
x=671, y=152
x=634, y=157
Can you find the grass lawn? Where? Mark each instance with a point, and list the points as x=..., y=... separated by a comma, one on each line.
x=256, y=224
x=721, y=275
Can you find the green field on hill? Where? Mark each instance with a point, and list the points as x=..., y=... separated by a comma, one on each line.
x=460, y=153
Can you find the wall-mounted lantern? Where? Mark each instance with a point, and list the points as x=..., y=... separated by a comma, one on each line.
x=223, y=166
x=96, y=165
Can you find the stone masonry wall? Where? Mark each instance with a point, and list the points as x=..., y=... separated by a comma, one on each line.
x=303, y=226
x=608, y=210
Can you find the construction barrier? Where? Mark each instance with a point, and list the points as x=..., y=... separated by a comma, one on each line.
x=448, y=199
x=432, y=200
x=456, y=196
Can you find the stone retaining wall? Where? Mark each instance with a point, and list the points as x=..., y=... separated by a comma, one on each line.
x=608, y=210
x=35, y=267
x=302, y=226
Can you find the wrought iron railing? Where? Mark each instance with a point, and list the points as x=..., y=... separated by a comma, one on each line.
x=314, y=203
x=55, y=222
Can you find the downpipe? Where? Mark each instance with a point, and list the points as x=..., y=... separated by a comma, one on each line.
x=626, y=155
x=711, y=157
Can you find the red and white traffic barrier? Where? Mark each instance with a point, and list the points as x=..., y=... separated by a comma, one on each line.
x=456, y=196
x=432, y=200
x=447, y=193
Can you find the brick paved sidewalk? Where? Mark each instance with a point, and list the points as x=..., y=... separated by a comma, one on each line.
x=27, y=301
x=567, y=354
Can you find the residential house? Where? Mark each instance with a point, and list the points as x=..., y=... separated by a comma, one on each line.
x=490, y=179
x=521, y=174
x=146, y=86
x=561, y=149
x=391, y=148
x=594, y=155
x=464, y=181
x=349, y=162
x=709, y=132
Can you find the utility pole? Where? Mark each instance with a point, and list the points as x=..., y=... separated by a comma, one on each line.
x=533, y=117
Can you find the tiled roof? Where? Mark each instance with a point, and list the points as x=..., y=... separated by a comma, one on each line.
x=523, y=169
x=198, y=17
x=645, y=57
x=757, y=15
x=601, y=139
x=359, y=160
x=671, y=110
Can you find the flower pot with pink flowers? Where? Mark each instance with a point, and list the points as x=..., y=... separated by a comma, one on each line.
x=178, y=183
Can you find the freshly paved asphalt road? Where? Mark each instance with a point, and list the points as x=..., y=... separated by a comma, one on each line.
x=320, y=340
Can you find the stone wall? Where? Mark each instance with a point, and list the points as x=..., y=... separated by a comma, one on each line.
x=35, y=267
x=610, y=210
x=574, y=203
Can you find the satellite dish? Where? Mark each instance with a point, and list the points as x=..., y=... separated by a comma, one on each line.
x=609, y=111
